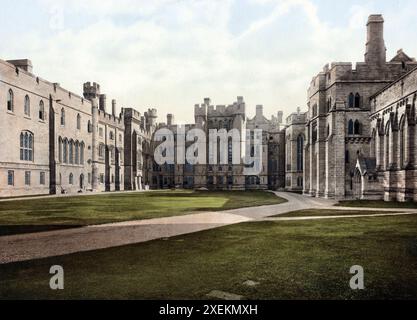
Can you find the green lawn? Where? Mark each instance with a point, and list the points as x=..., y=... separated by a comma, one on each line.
x=377, y=204
x=48, y=213
x=290, y=260
x=327, y=213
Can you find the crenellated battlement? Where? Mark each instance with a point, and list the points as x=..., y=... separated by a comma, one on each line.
x=91, y=91
x=152, y=113
x=110, y=119
x=200, y=111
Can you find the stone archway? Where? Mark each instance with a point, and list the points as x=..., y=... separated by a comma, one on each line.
x=357, y=185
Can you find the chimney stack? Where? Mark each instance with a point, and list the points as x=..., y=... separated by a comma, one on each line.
x=113, y=108
x=102, y=102
x=170, y=119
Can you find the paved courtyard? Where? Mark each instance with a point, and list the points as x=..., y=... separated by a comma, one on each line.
x=55, y=243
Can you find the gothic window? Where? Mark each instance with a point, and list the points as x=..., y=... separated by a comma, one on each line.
x=82, y=153
x=357, y=127
x=26, y=146
x=314, y=133
x=65, y=151
x=350, y=127
x=77, y=152
x=402, y=144
x=10, y=100
x=230, y=151
x=351, y=102
x=71, y=152
x=347, y=160
x=27, y=106
x=62, y=117
x=299, y=181
x=60, y=149
x=78, y=122
x=300, y=155
x=357, y=100
x=89, y=127
x=71, y=179
x=41, y=111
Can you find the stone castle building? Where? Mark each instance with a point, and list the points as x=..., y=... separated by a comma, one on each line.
x=353, y=121
x=357, y=139
x=59, y=142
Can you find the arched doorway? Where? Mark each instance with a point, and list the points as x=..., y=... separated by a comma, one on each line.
x=357, y=185
x=81, y=181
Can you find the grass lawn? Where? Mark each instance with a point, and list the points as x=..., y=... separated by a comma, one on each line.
x=290, y=260
x=327, y=213
x=377, y=204
x=48, y=213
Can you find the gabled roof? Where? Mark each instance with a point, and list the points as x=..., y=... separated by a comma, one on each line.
x=402, y=57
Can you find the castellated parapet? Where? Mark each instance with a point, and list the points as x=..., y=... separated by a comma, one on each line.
x=91, y=91
x=237, y=108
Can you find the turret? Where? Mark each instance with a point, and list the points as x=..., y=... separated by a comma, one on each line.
x=91, y=91
x=376, y=52
x=280, y=116
x=259, y=111
x=151, y=117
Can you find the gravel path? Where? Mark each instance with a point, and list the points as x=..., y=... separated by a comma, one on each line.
x=55, y=243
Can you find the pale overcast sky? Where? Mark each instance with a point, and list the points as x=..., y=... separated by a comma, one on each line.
x=171, y=54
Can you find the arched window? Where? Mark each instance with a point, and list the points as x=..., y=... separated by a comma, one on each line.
x=357, y=127
x=26, y=146
x=299, y=181
x=71, y=152
x=82, y=153
x=351, y=102
x=27, y=106
x=230, y=150
x=60, y=149
x=89, y=127
x=78, y=122
x=350, y=127
x=387, y=149
x=71, y=179
x=41, y=111
x=65, y=151
x=300, y=153
x=10, y=100
x=403, y=149
x=77, y=152
x=347, y=160
x=62, y=117
x=357, y=100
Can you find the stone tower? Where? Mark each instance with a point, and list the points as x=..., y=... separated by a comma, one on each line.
x=92, y=93
x=376, y=52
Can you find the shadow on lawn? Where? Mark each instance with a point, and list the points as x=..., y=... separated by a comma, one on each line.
x=8, y=230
